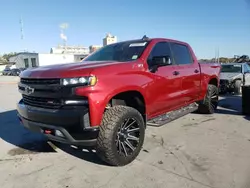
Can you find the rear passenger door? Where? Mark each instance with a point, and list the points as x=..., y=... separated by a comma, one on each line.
x=188, y=70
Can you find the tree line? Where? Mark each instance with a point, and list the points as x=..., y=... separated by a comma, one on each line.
x=220, y=59
x=243, y=58
x=5, y=57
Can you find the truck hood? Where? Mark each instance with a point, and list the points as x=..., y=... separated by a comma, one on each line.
x=66, y=70
x=229, y=76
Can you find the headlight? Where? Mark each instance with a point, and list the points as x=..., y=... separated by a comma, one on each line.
x=90, y=81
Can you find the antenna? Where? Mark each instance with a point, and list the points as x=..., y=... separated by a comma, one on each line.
x=215, y=56
x=145, y=37
x=218, y=55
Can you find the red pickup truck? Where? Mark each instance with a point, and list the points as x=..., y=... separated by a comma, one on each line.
x=107, y=100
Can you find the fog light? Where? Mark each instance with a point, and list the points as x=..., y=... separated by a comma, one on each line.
x=59, y=133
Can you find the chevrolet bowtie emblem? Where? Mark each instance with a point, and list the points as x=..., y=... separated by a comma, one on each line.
x=29, y=90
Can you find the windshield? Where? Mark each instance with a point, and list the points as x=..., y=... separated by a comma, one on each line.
x=123, y=51
x=231, y=68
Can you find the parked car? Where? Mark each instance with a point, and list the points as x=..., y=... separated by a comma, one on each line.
x=15, y=72
x=233, y=76
x=106, y=101
x=6, y=71
x=22, y=69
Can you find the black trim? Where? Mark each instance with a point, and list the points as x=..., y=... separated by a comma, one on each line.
x=89, y=138
x=172, y=115
x=52, y=91
x=73, y=122
x=40, y=81
x=66, y=117
x=51, y=96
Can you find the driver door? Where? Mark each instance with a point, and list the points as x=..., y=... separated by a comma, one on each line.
x=164, y=92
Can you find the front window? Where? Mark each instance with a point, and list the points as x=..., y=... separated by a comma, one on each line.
x=26, y=63
x=33, y=62
x=231, y=68
x=123, y=51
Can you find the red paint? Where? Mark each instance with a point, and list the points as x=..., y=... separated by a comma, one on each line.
x=47, y=131
x=162, y=91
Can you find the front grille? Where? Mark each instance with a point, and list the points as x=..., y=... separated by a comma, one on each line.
x=40, y=81
x=224, y=82
x=42, y=102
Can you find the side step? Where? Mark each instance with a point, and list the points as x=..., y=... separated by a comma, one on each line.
x=173, y=115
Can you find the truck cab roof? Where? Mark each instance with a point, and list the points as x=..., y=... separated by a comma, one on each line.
x=153, y=39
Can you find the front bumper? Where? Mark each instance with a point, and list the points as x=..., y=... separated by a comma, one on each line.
x=72, y=123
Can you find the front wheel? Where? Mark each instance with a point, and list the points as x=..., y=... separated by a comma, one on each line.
x=210, y=102
x=121, y=135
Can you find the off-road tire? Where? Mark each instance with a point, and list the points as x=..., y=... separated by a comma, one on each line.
x=113, y=118
x=207, y=106
x=237, y=87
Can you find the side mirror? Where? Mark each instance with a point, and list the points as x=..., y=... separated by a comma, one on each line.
x=161, y=61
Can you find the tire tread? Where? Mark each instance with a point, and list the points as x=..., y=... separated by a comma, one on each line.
x=206, y=107
x=107, y=128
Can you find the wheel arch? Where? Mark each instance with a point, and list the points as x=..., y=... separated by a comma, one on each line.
x=214, y=81
x=132, y=98
x=237, y=79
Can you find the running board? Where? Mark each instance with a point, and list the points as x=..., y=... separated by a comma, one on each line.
x=173, y=115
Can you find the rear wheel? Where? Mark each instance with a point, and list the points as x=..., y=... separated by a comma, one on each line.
x=237, y=87
x=121, y=135
x=210, y=102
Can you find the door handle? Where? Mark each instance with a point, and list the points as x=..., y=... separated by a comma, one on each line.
x=196, y=71
x=176, y=73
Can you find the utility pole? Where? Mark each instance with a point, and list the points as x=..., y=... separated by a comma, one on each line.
x=218, y=55
x=22, y=35
x=63, y=27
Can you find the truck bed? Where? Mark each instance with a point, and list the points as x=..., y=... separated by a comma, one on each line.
x=208, y=72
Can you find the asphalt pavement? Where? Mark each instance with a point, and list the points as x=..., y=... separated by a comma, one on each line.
x=195, y=151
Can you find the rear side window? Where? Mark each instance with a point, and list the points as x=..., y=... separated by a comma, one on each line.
x=181, y=54
x=246, y=68
x=160, y=49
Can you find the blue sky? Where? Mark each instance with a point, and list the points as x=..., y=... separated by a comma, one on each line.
x=206, y=25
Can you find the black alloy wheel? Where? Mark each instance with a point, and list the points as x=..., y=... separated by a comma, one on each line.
x=128, y=137
x=121, y=135
x=214, y=99
x=210, y=102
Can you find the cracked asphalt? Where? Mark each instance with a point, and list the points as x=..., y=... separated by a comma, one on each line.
x=195, y=151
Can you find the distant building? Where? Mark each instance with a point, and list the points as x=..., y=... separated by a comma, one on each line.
x=109, y=39
x=29, y=60
x=93, y=48
x=79, y=57
x=60, y=49
x=25, y=59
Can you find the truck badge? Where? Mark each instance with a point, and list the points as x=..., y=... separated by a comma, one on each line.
x=29, y=90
